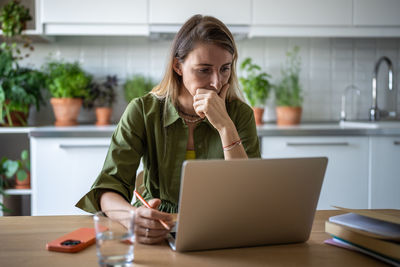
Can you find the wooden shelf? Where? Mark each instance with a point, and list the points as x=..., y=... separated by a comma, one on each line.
x=18, y=191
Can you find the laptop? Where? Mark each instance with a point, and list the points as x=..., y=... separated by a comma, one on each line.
x=241, y=203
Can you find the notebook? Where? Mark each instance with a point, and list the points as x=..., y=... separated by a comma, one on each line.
x=240, y=203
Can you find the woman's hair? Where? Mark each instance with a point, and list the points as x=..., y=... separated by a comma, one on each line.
x=198, y=29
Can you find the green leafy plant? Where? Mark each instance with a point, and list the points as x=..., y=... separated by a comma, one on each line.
x=67, y=80
x=23, y=166
x=255, y=83
x=102, y=94
x=137, y=86
x=288, y=92
x=19, y=88
x=13, y=18
x=10, y=168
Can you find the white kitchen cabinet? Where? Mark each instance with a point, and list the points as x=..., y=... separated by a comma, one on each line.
x=95, y=17
x=233, y=12
x=302, y=13
x=346, y=178
x=376, y=12
x=63, y=170
x=385, y=172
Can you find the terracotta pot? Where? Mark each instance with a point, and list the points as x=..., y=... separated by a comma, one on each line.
x=258, y=115
x=288, y=115
x=103, y=115
x=25, y=184
x=66, y=110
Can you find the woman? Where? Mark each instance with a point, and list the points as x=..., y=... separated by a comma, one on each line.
x=195, y=112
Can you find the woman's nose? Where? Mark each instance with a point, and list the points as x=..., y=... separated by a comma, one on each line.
x=216, y=81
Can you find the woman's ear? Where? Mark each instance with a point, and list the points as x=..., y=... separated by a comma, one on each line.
x=177, y=66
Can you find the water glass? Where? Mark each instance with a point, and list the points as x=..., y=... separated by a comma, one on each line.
x=115, y=237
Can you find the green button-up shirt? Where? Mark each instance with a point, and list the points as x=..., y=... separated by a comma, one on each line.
x=159, y=136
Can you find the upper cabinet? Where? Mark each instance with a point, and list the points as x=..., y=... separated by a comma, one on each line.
x=326, y=18
x=233, y=12
x=264, y=18
x=376, y=12
x=95, y=17
x=302, y=13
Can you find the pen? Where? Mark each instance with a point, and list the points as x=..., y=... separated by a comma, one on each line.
x=144, y=202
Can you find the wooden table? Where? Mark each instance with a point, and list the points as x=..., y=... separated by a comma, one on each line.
x=23, y=240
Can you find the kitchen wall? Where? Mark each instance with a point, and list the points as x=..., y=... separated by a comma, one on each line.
x=329, y=66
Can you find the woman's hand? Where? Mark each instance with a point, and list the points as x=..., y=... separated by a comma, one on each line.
x=207, y=103
x=148, y=229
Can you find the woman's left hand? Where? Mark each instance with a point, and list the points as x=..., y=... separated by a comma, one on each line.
x=207, y=103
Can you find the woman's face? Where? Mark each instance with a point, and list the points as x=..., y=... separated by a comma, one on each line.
x=207, y=66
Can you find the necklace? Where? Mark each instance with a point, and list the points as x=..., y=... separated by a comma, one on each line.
x=183, y=114
x=186, y=114
x=193, y=121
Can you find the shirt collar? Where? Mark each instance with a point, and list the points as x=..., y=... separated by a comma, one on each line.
x=171, y=113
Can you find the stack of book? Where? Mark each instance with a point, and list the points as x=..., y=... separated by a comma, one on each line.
x=373, y=232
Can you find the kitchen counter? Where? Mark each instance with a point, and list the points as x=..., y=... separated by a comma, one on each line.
x=268, y=129
x=331, y=129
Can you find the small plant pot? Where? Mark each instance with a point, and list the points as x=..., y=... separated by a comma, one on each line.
x=66, y=110
x=258, y=115
x=103, y=115
x=288, y=115
x=18, y=118
x=25, y=184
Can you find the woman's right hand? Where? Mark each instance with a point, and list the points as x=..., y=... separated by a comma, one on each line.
x=148, y=229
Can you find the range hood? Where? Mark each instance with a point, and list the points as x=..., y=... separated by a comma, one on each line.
x=168, y=31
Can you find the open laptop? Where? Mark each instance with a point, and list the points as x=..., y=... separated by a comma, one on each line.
x=239, y=203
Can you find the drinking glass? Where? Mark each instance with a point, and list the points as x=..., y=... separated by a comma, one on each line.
x=115, y=237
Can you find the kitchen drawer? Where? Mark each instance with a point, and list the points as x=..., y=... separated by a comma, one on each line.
x=346, y=178
x=63, y=170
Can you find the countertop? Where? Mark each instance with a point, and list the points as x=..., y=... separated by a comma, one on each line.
x=268, y=129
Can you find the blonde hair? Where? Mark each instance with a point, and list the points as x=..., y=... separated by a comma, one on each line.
x=198, y=29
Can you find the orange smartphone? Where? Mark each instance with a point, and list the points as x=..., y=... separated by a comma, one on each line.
x=74, y=241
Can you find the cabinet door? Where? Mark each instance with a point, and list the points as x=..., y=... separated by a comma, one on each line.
x=302, y=13
x=234, y=12
x=346, y=178
x=376, y=12
x=94, y=17
x=63, y=170
x=94, y=11
x=385, y=172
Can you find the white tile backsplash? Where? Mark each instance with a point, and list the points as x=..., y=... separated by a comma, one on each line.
x=329, y=66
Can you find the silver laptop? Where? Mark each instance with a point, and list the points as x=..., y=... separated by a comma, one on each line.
x=240, y=203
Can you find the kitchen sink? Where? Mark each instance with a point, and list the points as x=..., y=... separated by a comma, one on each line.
x=370, y=124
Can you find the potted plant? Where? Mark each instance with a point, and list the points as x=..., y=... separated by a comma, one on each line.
x=256, y=87
x=8, y=168
x=19, y=89
x=13, y=18
x=137, y=86
x=102, y=97
x=68, y=84
x=288, y=92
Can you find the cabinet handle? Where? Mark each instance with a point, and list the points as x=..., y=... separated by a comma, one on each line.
x=396, y=143
x=319, y=144
x=67, y=146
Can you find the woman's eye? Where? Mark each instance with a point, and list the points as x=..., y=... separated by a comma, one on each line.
x=225, y=69
x=203, y=70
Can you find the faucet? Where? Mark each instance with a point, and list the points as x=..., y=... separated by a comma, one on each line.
x=374, y=112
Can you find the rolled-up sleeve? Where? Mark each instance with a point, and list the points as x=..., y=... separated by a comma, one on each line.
x=123, y=158
x=243, y=117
